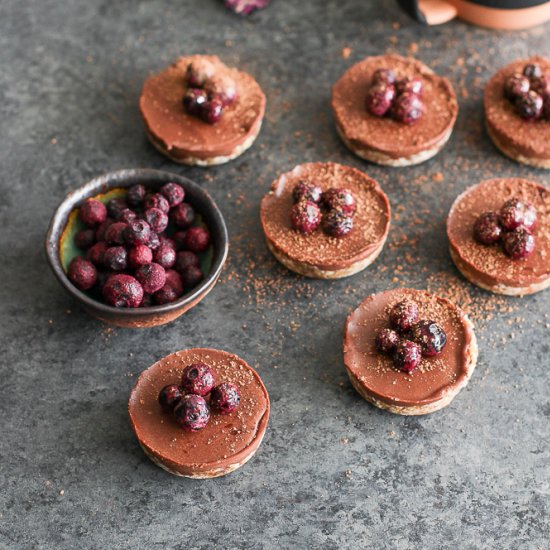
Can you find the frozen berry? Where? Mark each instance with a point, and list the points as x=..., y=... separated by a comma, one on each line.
x=147, y=300
x=529, y=105
x=429, y=336
x=518, y=243
x=516, y=85
x=122, y=290
x=156, y=200
x=196, y=239
x=183, y=215
x=515, y=212
x=92, y=212
x=410, y=85
x=532, y=70
x=407, y=355
x=339, y=199
x=380, y=98
x=541, y=85
x=115, y=258
x=82, y=273
x=386, y=340
x=84, y=238
x=222, y=87
x=186, y=259
x=198, y=72
x=157, y=219
x=151, y=276
x=96, y=253
x=337, y=223
x=487, y=229
x=192, y=413
x=136, y=194
x=115, y=233
x=407, y=108
x=165, y=255
x=225, y=398
x=197, y=378
x=191, y=277
x=404, y=315
x=137, y=232
x=172, y=289
x=102, y=230
x=383, y=76
x=127, y=216
x=173, y=192
x=169, y=397
x=154, y=241
x=139, y=255
x=194, y=101
x=305, y=217
x=115, y=207
x=211, y=112
x=305, y=190
x=167, y=241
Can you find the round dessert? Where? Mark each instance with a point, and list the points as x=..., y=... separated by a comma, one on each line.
x=393, y=110
x=197, y=442
x=200, y=112
x=414, y=367
x=482, y=236
x=325, y=220
x=517, y=111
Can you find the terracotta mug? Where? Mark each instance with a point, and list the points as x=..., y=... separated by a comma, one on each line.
x=495, y=14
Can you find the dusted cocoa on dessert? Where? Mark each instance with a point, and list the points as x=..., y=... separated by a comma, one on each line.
x=225, y=443
x=436, y=380
x=488, y=266
x=318, y=254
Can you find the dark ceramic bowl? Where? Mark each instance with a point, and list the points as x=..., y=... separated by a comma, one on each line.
x=59, y=243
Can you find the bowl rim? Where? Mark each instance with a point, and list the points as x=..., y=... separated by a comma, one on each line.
x=112, y=180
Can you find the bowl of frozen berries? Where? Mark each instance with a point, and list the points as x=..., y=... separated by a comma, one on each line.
x=137, y=248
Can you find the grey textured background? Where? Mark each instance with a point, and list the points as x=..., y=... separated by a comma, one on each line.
x=333, y=471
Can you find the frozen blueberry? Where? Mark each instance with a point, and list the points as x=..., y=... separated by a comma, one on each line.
x=532, y=70
x=337, y=223
x=157, y=219
x=169, y=397
x=223, y=88
x=115, y=207
x=339, y=199
x=225, y=398
x=515, y=212
x=407, y=355
x=386, y=340
x=186, y=259
x=122, y=290
x=383, y=76
x=407, y=108
x=139, y=255
x=518, y=243
x=194, y=101
x=404, y=315
x=380, y=98
x=96, y=253
x=305, y=217
x=92, y=212
x=191, y=277
x=487, y=229
x=84, y=238
x=136, y=194
x=173, y=192
x=82, y=273
x=516, y=85
x=172, y=289
x=211, y=112
x=198, y=379
x=308, y=191
x=183, y=215
x=156, y=200
x=196, y=239
x=102, y=230
x=114, y=234
x=192, y=413
x=410, y=85
x=429, y=336
x=115, y=258
x=127, y=216
x=154, y=241
x=529, y=105
x=151, y=276
x=541, y=85
x=165, y=255
x=137, y=232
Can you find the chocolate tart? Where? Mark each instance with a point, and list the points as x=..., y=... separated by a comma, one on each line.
x=526, y=142
x=226, y=443
x=187, y=139
x=435, y=383
x=385, y=141
x=317, y=254
x=488, y=266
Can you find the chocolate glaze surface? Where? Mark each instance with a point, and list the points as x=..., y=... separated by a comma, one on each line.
x=184, y=135
x=383, y=134
x=371, y=220
x=528, y=138
x=435, y=375
x=225, y=440
x=490, y=263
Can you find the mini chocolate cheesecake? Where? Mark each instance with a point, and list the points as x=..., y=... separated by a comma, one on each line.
x=180, y=132
x=435, y=380
x=388, y=138
x=226, y=443
x=525, y=140
x=318, y=253
x=490, y=266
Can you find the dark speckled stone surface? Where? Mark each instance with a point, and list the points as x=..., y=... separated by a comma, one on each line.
x=333, y=471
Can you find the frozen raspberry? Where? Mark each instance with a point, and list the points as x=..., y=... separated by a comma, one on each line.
x=386, y=340
x=380, y=98
x=151, y=276
x=156, y=200
x=223, y=88
x=404, y=315
x=410, y=85
x=305, y=190
x=186, y=259
x=211, y=112
x=157, y=219
x=137, y=232
x=115, y=233
x=529, y=105
x=115, y=207
x=196, y=239
x=383, y=76
x=198, y=71
x=169, y=397
x=102, y=230
x=516, y=85
x=165, y=255
x=136, y=194
x=198, y=379
x=192, y=413
x=407, y=108
x=92, y=212
x=191, y=277
x=339, y=199
x=337, y=223
x=115, y=258
x=429, y=336
x=122, y=290
x=487, y=229
x=194, y=101
x=305, y=217
x=139, y=255
x=82, y=273
x=515, y=212
x=518, y=243
x=127, y=216
x=173, y=192
x=183, y=215
x=172, y=289
x=407, y=356
x=96, y=253
x=84, y=238
x=225, y=398
x=532, y=70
